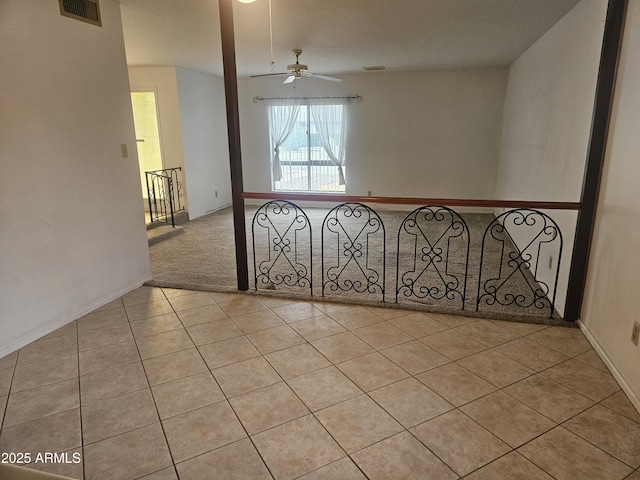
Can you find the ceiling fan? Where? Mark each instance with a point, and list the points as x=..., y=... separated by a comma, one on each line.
x=298, y=70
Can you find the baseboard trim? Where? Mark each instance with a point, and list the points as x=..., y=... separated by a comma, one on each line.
x=626, y=388
x=558, y=308
x=208, y=212
x=52, y=327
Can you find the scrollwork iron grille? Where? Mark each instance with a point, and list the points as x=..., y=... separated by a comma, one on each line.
x=282, y=256
x=164, y=192
x=429, y=239
x=517, y=281
x=356, y=261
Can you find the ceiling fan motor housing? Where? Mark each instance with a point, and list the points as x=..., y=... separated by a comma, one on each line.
x=297, y=67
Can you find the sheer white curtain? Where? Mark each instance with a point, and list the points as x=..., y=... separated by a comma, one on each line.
x=282, y=119
x=330, y=124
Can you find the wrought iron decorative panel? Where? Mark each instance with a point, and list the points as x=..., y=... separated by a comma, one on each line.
x=522, y=239
x=353, y=251
x=282, y=256
x=433, y=256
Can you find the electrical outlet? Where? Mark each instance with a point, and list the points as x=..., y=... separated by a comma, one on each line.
x=125, y=151
x=216, y=193
x=369, y=193
x=635, y=333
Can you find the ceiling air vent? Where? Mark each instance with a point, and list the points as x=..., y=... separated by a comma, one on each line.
x=84, y=10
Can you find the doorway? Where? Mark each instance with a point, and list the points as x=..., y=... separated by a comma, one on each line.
x=145, y=118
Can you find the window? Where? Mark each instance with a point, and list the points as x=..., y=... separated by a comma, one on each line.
x=307, y=147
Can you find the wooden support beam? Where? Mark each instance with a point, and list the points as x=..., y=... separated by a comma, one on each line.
x=233, y=132
x=611, y=44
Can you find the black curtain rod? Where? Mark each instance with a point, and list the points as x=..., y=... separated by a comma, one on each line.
x=358, y=98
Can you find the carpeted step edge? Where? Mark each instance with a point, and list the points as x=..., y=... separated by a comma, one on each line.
x=164, y=232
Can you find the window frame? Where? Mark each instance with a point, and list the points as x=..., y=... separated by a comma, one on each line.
x=309, y=161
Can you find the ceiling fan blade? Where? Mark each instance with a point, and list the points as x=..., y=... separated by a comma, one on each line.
x=289, y=79
x=323, y=77
x=269, y=75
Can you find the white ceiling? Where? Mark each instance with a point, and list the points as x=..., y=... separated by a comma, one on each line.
x=338, y=36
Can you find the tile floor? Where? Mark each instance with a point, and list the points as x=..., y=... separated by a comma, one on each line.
x=166, y=384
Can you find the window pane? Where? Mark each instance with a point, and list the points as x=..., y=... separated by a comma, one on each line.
x=304, y=162
x=294, y=157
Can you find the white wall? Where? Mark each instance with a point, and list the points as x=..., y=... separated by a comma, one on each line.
x=547, y=120
x=72, y=230
x=611, y=304
x=205, y=143
x=415, y=134
x=163, y=81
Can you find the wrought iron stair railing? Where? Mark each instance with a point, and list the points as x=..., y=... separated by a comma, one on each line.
x=164, y=190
